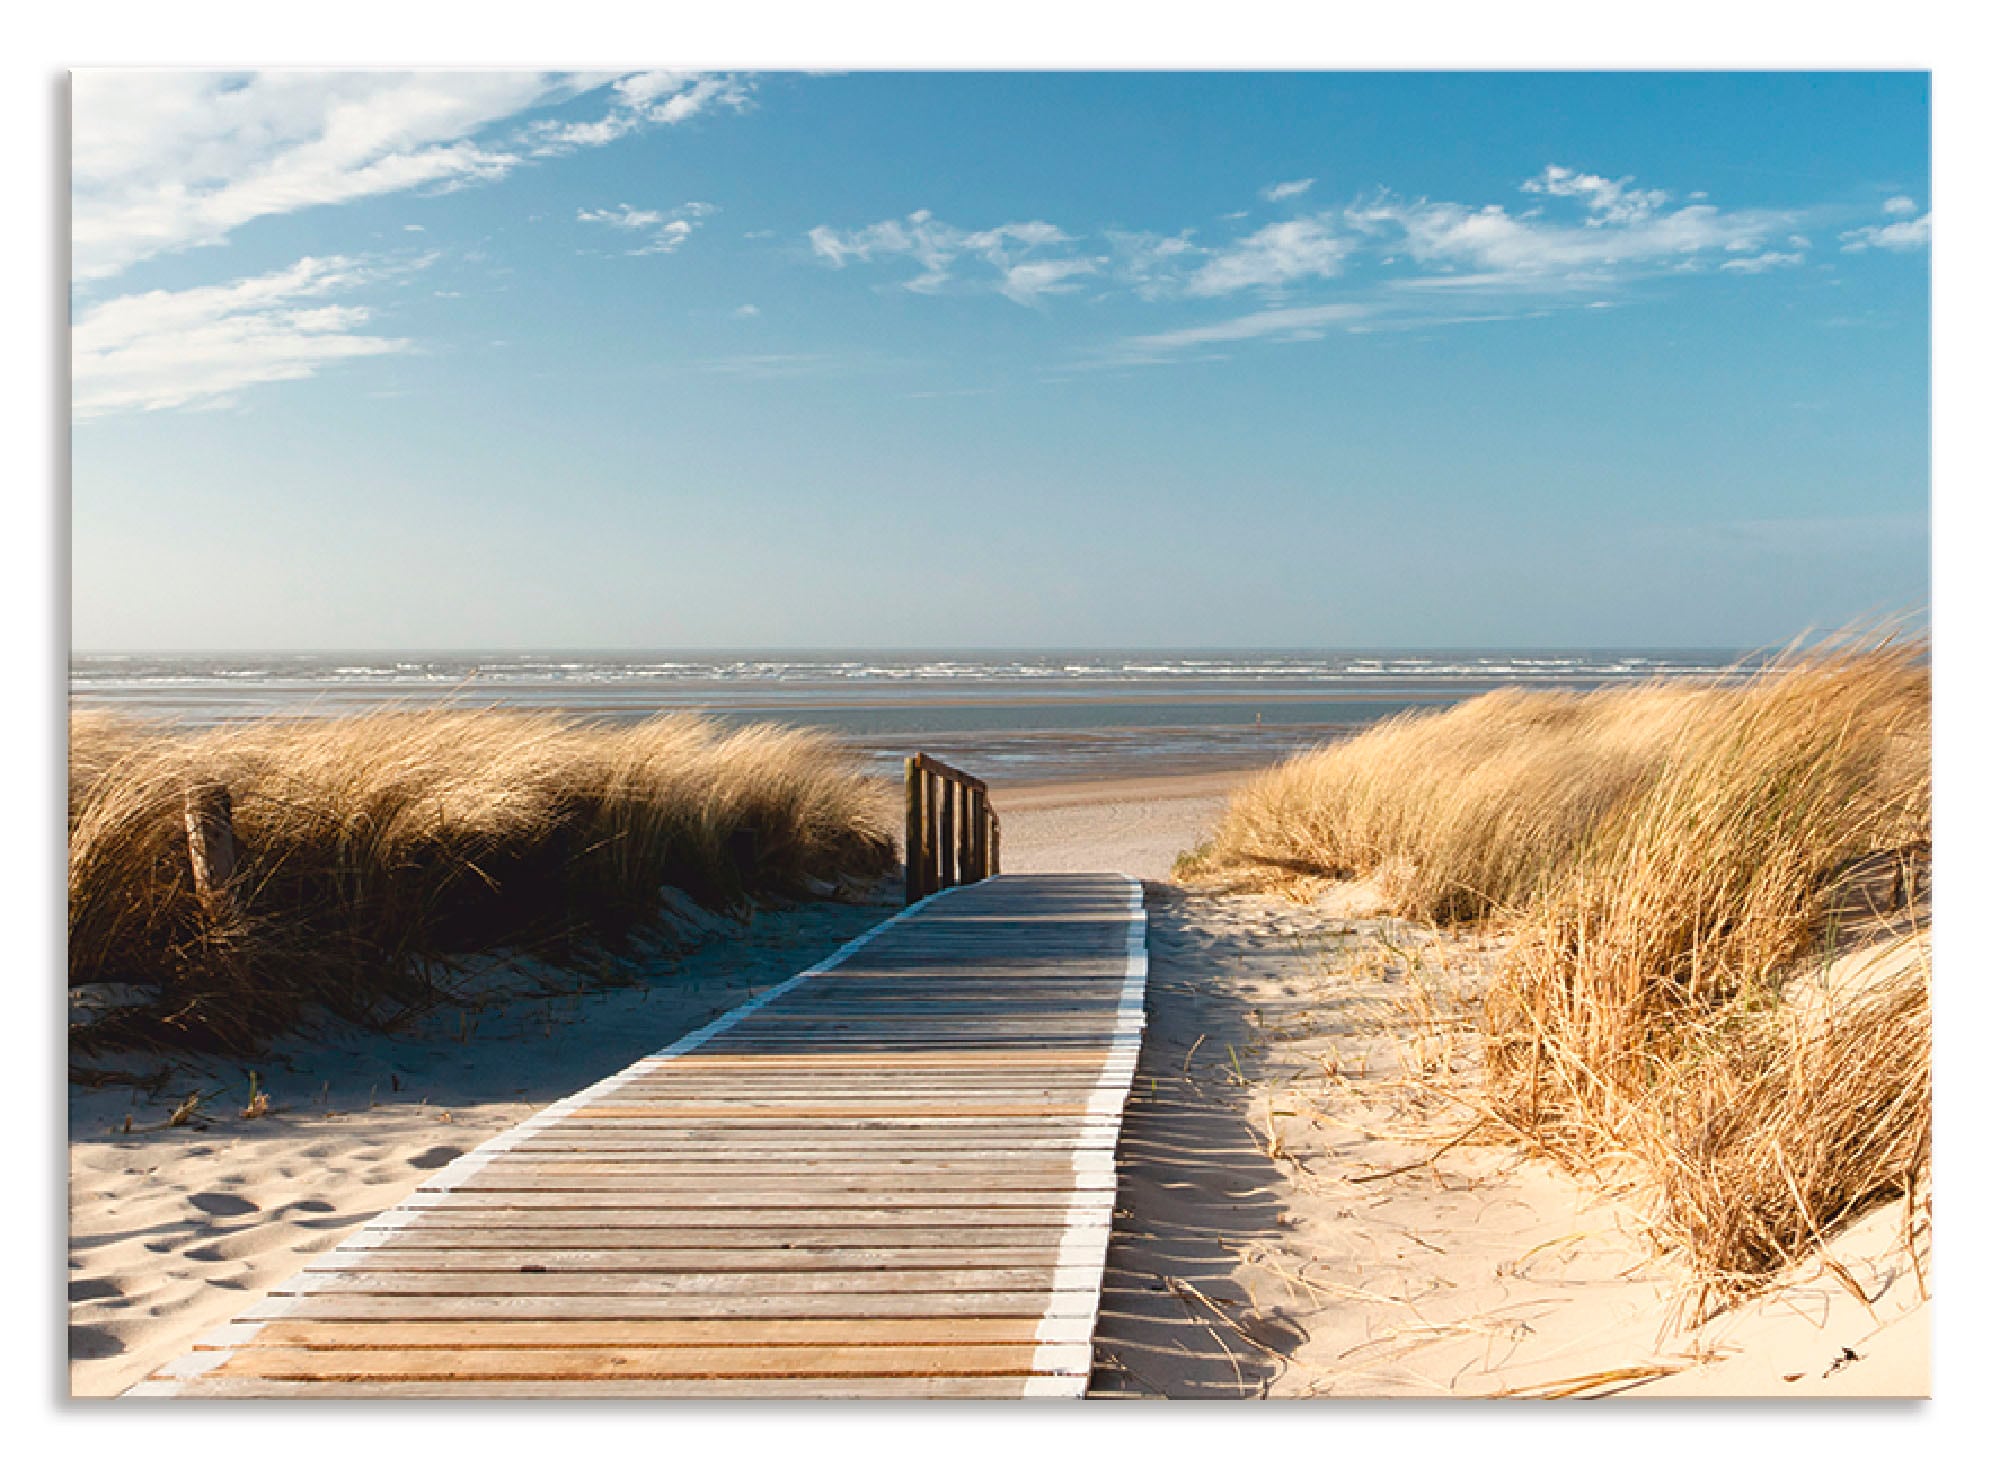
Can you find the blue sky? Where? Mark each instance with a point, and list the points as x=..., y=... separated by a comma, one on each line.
x=486, y=359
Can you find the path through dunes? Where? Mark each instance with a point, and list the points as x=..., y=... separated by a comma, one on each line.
x=891, y=1175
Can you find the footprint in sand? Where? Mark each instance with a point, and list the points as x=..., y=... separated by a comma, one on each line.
x=435, y=1157
x=94, y=1289
x=222, y=1205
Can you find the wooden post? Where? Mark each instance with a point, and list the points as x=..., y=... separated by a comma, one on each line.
x=935, y=839
x=993, y=846
x=975, y=837
x=913, y=830
x=211, y=846
x=948, y=835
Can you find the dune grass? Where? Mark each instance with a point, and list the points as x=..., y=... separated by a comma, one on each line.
x=372, y=849
x=1670, y=860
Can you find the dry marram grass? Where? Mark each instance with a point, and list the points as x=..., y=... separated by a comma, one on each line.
x=1670, y=860
x=373, y=847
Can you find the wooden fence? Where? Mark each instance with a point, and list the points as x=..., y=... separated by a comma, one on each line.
x=951, y=833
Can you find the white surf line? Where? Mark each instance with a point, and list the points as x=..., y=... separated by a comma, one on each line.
x=215, y=1348
x=1061, y=1366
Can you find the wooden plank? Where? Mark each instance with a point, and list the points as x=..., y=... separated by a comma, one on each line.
x=784, y=1387
x=644, y=1363
x=783, y=1259
x=764, y=1305
x=714, y=1282
x=475, y=1237
x=711, y=1196
x=478, y=1334
x=944, y=771
x=734, y=1221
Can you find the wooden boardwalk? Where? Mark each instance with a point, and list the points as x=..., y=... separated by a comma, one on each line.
x=891, y=1175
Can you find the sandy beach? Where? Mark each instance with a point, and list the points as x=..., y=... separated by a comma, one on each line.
x=1298, y=1212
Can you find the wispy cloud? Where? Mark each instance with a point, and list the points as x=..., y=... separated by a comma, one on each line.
x=669, y=229
x=1907, y=230
x=1623, y=232
x=624, y=216
x=646, y=99
x=1585, y=232
x=194, y=348
x=1579, y=240
x=1768, y=260
x=1272, y=257
x=1023, y=261
x=1290, y=323
x=1609, y=201
x=164, y=161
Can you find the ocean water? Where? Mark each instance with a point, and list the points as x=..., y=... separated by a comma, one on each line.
x=1007, y=715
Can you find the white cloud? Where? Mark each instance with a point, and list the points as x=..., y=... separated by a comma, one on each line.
x=1017, y=253
x=1023, y=284
x=1769, y=260
x=1905, y=233
x=1278, y=192
x=165, y=161
x=1290, y=323
x=670, y=228
x=642, y=100
x=1272, y=257
x=1153, y=265
x=1624, y=232
x=192, y=348
x=1609, y=201
x=746, y=311
x=622, y=217
x=1404, y=263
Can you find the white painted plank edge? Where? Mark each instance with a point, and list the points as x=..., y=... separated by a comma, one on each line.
x=1087, y=1236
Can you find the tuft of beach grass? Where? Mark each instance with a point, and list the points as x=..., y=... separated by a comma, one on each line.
x=1674, y=864
x=371, y=849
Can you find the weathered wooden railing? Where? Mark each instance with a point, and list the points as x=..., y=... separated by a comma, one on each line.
x=951, y=833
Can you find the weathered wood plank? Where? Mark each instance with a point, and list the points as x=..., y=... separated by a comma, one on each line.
x=608, y=1334
x=764, y=1305
x=661, y=1285
x=781, y=1387
x=969, y=1241
x=645, y=1363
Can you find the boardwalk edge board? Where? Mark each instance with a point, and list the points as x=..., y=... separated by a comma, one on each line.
x=1087, y=1237
x=1060, y=1364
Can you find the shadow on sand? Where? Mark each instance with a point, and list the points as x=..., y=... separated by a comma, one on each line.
x=1194, y=1186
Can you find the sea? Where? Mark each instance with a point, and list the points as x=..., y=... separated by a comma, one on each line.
x=1018, y=717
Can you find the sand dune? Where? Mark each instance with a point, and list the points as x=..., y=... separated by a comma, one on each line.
x=1292, y=1222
